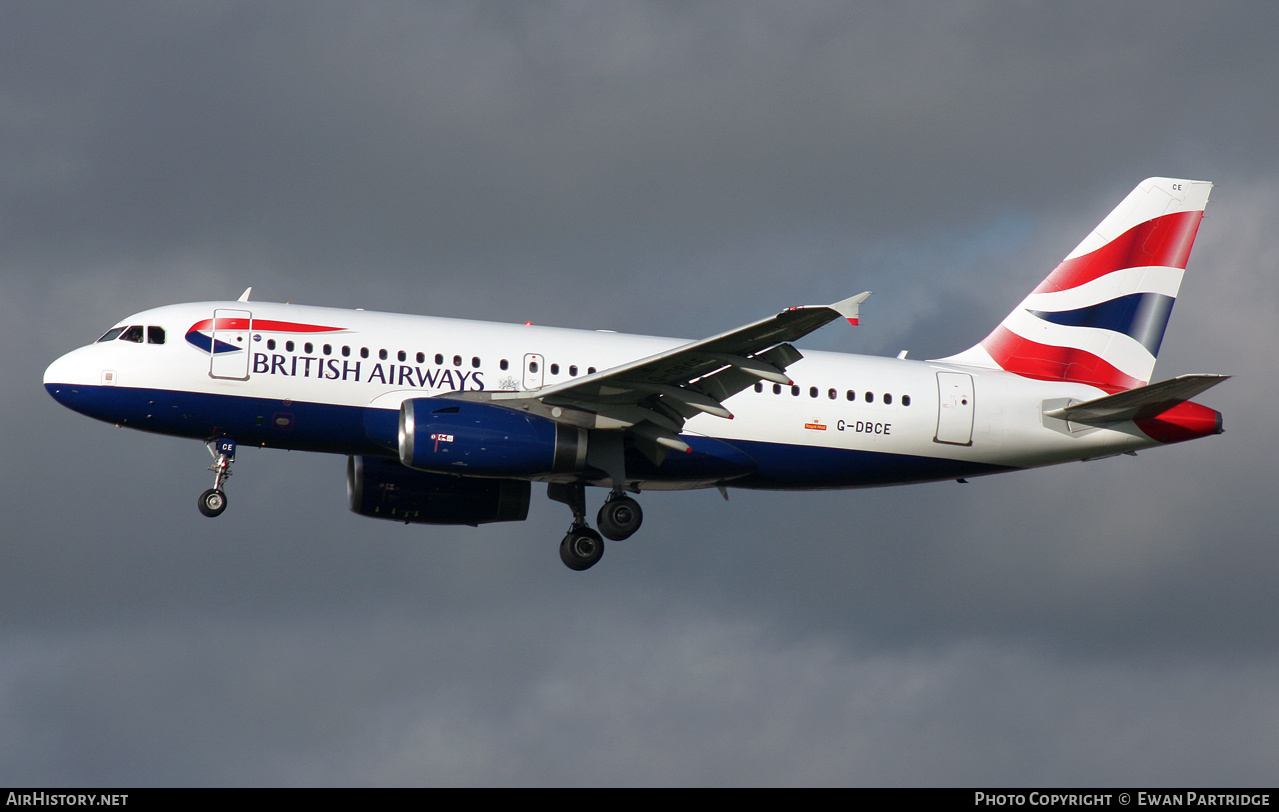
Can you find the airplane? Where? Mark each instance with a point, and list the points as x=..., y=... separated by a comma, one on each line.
x=448, y=421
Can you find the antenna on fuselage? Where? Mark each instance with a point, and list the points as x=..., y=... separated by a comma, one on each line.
x=244, y=297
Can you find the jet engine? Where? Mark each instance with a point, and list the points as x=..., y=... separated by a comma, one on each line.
x=384, y=489
x=481, y=439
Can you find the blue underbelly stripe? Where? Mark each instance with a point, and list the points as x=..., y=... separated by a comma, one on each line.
x=346, y=430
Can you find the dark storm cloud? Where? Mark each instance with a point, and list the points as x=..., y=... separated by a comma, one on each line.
x=647, y=697
x=596, y=141
x=652, y=167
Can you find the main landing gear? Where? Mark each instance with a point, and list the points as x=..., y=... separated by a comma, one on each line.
x=581, y=548
x=618, y=519
x=213, y=501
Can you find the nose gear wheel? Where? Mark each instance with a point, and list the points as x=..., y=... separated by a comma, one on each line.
x=213, y=501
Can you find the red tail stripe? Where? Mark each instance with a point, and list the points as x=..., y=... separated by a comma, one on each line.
x=1165, y=240
x=1047, y=363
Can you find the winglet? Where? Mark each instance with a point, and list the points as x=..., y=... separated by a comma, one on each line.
x=848, y=307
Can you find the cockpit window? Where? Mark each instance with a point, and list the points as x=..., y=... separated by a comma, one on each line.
x=133, y=334
x=155, y=335
x=112, y=334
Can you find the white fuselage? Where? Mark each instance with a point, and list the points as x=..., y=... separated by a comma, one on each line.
x=848, y=420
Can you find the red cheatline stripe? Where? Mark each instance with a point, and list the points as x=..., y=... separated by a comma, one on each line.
x=1165, y=240
x=292, y=327
x=1047, y=363
x=263, y=324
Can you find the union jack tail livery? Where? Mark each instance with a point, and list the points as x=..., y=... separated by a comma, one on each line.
x=1100, y=316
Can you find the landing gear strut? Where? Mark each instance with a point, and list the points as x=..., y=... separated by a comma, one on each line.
x=582, y=547
x=213, y=501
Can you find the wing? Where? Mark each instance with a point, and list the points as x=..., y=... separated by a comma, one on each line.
x=650, y=398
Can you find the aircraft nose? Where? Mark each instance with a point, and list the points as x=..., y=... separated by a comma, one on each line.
x=64, y=376
x=60, y=371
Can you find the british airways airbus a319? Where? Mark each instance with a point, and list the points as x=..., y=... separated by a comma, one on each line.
x=447, y=421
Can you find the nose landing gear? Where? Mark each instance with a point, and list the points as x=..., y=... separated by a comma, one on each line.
x=213, y=501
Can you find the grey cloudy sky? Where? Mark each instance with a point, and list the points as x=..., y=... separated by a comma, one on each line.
x=650, y=167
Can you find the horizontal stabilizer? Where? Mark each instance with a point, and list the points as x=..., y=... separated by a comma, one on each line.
x=1140, y=403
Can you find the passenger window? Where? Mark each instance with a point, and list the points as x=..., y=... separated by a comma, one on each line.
x=832, y=394
x=555, y=369
x=457, y=360
x=504, y=364
x=812, y=391
x=475, y=363
x=155, y=335
x=133, y=334
x=439, y=359
x=288, y=346
x=364, y=352
x=888, y=399
x=870, y=398
x=307, y=347
x=852, y=395
x=381, y=354
x=759, y=387
x=421, y=358
x=402, y=356
x=112, y=334
x=905, y=400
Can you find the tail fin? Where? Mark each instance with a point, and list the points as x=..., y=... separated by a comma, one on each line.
x=1100, y=316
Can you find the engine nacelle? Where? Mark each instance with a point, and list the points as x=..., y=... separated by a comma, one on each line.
x=384, y=489
x=480, y=439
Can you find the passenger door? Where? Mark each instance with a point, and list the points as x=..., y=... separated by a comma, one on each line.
x=955, y=408
x=229, y=353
